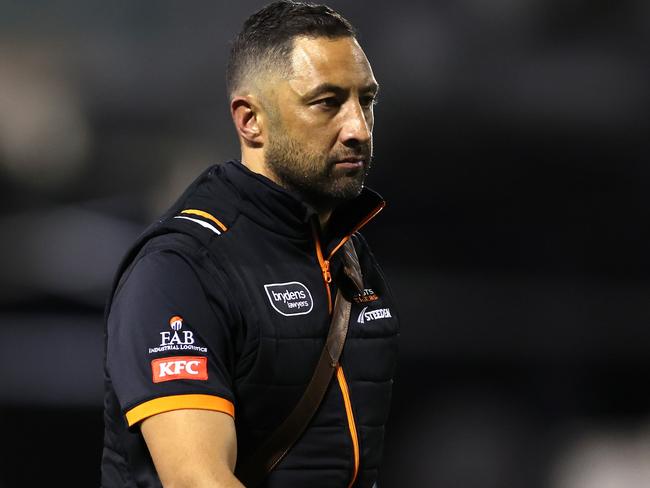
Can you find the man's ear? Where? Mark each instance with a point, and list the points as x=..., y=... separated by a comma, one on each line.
x=245, y=113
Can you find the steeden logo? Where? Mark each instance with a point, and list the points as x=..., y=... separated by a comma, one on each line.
x=369, y=315
x=179, y=368
x=291, y=298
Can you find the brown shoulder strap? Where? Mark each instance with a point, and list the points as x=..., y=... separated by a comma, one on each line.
x=253, y=471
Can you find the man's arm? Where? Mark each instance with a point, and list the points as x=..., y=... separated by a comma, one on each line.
x=193, y=448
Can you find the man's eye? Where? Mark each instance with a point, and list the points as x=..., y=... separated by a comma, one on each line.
x=328, y=102
x=368, y=101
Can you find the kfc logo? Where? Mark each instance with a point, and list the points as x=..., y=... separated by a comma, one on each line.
x=179, y=368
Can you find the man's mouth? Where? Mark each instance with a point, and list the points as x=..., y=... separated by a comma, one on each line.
x=351, y=163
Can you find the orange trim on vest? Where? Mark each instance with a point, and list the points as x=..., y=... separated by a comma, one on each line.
x=351, y=424
x=178, y=402
x=370, y=216
x=343, y=385
x=206, y=215
x=325, y=268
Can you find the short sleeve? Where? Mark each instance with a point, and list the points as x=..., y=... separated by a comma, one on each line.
x=169, y=344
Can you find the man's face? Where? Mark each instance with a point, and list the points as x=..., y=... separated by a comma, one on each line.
x=320, y=128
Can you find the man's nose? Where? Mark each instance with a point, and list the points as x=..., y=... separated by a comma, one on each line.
x=356, y=128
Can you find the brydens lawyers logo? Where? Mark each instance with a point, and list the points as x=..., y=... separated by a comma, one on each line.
x=291, y=298
x=177, y=339
x=179, y=368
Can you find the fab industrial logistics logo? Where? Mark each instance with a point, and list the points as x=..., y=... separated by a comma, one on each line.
x=291, y=298
x=177, y=339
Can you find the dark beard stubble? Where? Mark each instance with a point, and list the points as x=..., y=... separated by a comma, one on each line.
x=313, y=176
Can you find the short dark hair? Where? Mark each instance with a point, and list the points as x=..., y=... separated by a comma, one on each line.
x=266, y=39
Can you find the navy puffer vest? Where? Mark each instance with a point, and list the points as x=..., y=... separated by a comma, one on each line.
x=249, y=239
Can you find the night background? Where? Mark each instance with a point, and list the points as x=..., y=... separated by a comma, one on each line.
x=511, y=144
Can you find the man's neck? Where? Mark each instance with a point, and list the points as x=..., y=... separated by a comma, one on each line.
x=256, y=165
x=255, y=162
x=324, y=218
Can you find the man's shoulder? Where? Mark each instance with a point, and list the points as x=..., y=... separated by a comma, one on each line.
x=168, y=256
x=173, y=248
x=170, y=243
x=162, y=255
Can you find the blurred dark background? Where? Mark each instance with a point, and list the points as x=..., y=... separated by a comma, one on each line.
x=512, y=148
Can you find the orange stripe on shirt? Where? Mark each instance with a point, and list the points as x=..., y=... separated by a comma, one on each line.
x=178, y=402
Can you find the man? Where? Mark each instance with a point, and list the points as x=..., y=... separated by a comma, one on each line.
x=220, y=311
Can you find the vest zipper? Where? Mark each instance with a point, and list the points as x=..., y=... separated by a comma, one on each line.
x=340, y=376
x=324, y=268
x=343, y=386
